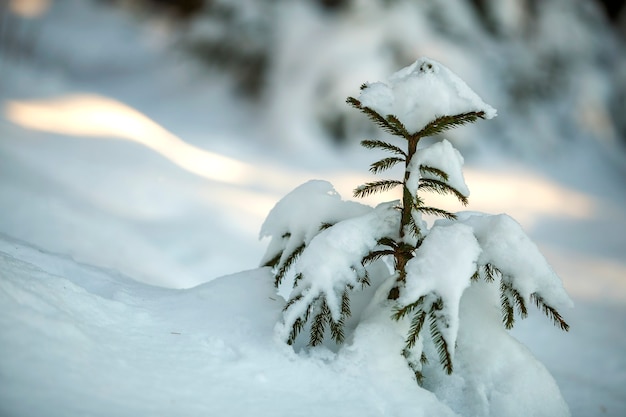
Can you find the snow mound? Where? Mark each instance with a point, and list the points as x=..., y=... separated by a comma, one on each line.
x=78, y=340
x=495, y=374
x=422, y=92
x=299, y=215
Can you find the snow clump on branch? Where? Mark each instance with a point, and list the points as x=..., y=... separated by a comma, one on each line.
x=422, y=92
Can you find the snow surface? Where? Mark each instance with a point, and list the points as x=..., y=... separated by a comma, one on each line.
x=441, y=155
x=422, y=92
x=494, y=370
x=96, y=235
x=117, y=347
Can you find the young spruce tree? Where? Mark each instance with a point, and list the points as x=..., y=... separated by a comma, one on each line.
x=331, y=245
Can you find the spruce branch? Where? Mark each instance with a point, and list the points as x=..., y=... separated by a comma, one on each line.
x=376, y=255
x=361, y=275
x=318, y=325
x=336, y=328
x=417, y=322
x=491, y=272
x=296, y=328
x=401, y=312
x=292, y=301
x=385, y=164
x=299, y=322
x=325, y=226
x=549, y=311
x=476, y=276
x=443, y=123
x=398, y=125
x=387, y=125
x=274, y=261
x=425, y=169
x=336, y=331
x=379, y=144
x=375, y=187
x=414, y=228
x=324, y=316
x=364, y=280
x=353, y=101
x=440, y=187
x=520, y=304
x=389, y=242
x=287, y=264
x=436, y=212
x=409, y=200
x=297, y=279
x=345, y=304
x=415, y=366
x=508, y=314
x=445, y=356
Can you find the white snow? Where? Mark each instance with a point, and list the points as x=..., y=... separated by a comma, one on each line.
x=442, y=267
x=328, y=264
x=506, y=246
x=441, y=155
x=95, y=234
x=492, y=369
x=302, y=212
x=422, y=92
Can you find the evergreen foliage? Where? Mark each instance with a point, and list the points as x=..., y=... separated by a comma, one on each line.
x=401, y=246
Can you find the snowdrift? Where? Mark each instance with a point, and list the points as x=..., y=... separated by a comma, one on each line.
x=80, y=340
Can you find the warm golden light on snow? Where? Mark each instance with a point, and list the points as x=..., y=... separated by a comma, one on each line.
x=96, y=116
x=89, y=115
x=29, y=9
x=526, y=197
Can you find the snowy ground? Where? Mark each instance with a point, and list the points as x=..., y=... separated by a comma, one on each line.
x=115, y=229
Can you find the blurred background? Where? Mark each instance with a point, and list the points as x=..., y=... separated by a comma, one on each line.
x=555, y=69
x=220, y=107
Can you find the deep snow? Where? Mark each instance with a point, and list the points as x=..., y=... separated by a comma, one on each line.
x=98, y=236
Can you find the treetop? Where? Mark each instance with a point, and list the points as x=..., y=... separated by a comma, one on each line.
x=421, y=93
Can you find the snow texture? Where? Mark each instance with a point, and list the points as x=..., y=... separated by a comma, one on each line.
x=442, y=268
x=298, y=216
x=494, y=374
x=443, y=156
x=78, y=340
x=85, y=223
x=422, y=92
x=329, y=262
x=506, y=246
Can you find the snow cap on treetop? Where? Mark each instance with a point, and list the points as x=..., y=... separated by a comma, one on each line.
x=422, y=92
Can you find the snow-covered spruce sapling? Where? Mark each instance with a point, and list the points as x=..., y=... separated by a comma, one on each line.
x=331, y=245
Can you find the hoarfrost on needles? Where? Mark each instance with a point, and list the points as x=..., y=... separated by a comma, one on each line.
x=422, y=92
